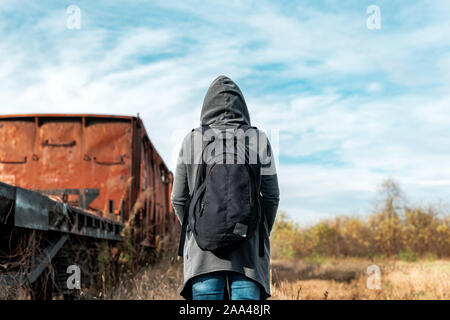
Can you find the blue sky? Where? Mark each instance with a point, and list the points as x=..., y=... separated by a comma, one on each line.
x=351, y=106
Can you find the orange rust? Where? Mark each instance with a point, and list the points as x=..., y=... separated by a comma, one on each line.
x=83, y=151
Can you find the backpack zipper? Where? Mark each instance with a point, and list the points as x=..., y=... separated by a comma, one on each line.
x=202, y=208
x=249, y=188
x=203, y=205
x=209, y=173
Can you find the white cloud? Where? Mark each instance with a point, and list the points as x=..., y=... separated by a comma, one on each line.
x=373, y=87
x=326, y=61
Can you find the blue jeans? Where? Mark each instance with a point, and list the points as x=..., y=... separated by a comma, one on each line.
x=211, y=286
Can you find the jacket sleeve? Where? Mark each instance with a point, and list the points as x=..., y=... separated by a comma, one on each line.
x=180, y=190
x=270, y=191
x=270, y=198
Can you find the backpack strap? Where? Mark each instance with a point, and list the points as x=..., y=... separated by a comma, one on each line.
x=184, y=223
x=189, y=210
x=260, y=213
x=191, y=199
x=258, y=202
x=184, y=227
x=261, y=229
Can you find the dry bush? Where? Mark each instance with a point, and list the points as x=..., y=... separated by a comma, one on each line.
x=136, y=272
x=159, y=281
x=395, y=229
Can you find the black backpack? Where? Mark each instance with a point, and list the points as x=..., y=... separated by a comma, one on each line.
x=224, y=208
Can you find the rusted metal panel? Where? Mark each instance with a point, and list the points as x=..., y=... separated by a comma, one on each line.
x=107, y=159
x=16, y=150
x=66, y=155
x=57, y=154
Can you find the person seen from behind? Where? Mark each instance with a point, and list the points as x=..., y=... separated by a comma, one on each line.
x=226, y=196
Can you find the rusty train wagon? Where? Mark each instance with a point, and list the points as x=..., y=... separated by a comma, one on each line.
x=84, y=176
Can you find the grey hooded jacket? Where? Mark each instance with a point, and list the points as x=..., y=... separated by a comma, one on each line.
x=224, y=107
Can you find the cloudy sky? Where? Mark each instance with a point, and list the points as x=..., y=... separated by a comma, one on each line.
x=348, y=106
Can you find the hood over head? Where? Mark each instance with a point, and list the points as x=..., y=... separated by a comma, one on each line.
x=224, y=103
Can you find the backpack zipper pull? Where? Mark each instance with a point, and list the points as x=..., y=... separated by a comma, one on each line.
x=202, y=208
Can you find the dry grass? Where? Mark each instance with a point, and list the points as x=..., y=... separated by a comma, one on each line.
x=159, y=281
x=346, y=279
x=333, y=279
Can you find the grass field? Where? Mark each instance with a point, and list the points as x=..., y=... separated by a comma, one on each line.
x=347, y=279
x=408, y=244
x=329, y=279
